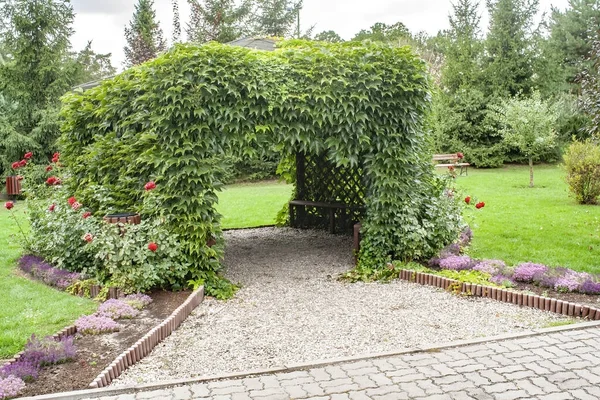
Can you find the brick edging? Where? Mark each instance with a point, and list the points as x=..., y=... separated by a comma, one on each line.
x=146, y=343
x=504, y=295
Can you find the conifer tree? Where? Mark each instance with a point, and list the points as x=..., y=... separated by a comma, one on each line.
x=144, y=35
x=277, y=18
x=217, y=20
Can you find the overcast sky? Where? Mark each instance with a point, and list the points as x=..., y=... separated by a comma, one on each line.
x=103, y=21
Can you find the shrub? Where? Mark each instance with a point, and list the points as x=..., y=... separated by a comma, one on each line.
x=116, y=309
x=137, y=300
x=25, y=370
x=48, y=351
x=582, y=162
x=456, y=263
x=124, y=260
x=95, y=325
x=529, y=272
x=10, y=387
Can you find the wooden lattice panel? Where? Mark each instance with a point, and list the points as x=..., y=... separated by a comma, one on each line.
x=320, y=180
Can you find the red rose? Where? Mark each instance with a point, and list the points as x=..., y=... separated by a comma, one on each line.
x=28, y=155
x=460, y=155
x=468, y=199
x=76, y=206
x=49, y=168
x=51, y=181
x=16, y=165
x=451, y=168
x=19, y=178
x=150, y=186
x=86, y=215
x=58, y=181
x=22, y=163
x=152, y=247
x=52, y=207
x=71, y=200
x=56, y=155
x=88, y=237
x=9, y=205
x=480, y=205
x=54, y=160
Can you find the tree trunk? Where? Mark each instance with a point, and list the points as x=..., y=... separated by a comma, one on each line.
x=530, y=172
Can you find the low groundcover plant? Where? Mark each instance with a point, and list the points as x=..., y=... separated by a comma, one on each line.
x=137, y=300
x=95, y=325
x=116, y=309
x=10, y=387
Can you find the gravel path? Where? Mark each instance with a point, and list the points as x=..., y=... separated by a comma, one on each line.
x=292, y=309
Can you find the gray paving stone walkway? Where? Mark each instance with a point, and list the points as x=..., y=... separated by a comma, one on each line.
x=560, y=365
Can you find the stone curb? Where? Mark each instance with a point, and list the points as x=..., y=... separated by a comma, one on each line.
x=83, y=394
x=148, y=342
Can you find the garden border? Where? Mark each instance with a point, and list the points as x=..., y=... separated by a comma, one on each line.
x=132, y=389
x=504, y=295
x=149, y=341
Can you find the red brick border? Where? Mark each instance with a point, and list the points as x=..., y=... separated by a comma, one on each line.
x=144, y=346
x=505, y=295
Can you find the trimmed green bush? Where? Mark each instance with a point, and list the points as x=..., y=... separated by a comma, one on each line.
x=582, y=162
x=178, y=119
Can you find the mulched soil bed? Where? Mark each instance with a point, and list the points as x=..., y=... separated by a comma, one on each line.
x=94, y=353
x=577, y=298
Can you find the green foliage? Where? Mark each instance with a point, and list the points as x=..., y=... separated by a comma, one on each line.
x=380, y=32
x=360, y=105
x=508, y=47
x=564, y=55
x=144, y=36
x=527, y=124
x=82, y=288
x=328, y=36
x=91, y=66
x=124, y=260
x=33, y=75
x=276, y=18
x=582, y=162
x=217, y=20
x=590, y=84
x=467, y=276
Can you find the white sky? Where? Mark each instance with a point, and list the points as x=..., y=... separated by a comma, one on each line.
x=103, y=21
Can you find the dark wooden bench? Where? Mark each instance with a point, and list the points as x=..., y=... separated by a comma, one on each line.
x=454, y=159
x=332, y=207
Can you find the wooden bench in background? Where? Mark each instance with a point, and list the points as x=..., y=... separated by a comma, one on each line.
x=454, y=159
x=332, y=207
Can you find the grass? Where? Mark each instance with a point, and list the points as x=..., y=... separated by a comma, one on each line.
x=541, y=224
x=28, y=307
x=249, y=205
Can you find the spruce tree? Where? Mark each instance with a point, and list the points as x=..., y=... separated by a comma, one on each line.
x=508, y=47
x=217, y=20
x=35, y=73
x=277, y=18
x=144, y=36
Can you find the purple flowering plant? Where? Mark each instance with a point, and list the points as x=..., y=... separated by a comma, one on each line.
x=95, y=325
x=48, y=351
x=529, y=272
x=116, y=309
x=10, y=387
x=24, y=370
x=492, y=267
x=456, y=263
x=39, y=269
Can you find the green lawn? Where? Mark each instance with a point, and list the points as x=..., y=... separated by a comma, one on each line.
x=252, y=204
x=541, y=224
x=28, y=307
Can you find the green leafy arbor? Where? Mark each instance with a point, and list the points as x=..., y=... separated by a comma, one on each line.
x=176, y=120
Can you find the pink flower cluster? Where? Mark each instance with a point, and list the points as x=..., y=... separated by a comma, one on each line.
x=116, y=309
x=95, y=325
